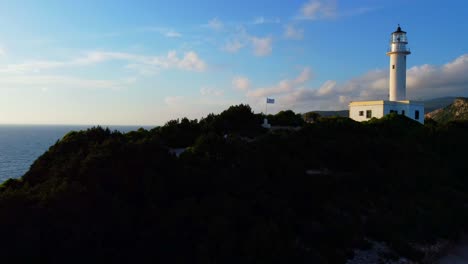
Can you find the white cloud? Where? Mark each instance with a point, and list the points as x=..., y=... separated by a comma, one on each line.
x=423, y=82
x=284, y=86
x=306, y=74
x=327, y=9
x=262, y=20
x=174, y=101
x=144, y=69
x=237, y=41
x=259, y=21
x=233, y=46
x=58, y=81
x=87, y=59
x=190, y=62
x=216, y=24
x=326, y=88
x=429, y=80
x=167, y=32
x=333, y=96
x=102, y=56
x=33, y=66
x=241, y=83
x=172, y=34
x=318, y=9
x=262, y=46
x=302, y=94
x=205, y=91
x=290, y=32
x=2, y=51
x=357, y=11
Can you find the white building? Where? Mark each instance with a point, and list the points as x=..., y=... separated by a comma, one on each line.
x=397, y=103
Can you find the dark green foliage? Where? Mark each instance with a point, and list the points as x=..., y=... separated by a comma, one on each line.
x=179, y=134
x=339, y=113
x=286, y=118
x=238, y=119
x=311, y=117
x=239, y=194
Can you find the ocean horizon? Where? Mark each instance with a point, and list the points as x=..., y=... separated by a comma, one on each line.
x=21, y=145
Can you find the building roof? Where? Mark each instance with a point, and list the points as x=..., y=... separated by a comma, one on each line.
x=385, y=102
x=399, y=31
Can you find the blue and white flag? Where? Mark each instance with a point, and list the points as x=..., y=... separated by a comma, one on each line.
x=270, y=101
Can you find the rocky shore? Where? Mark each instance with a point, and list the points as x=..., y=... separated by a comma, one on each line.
x=442, y=252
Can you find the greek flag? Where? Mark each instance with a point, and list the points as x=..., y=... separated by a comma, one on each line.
x=270, y=101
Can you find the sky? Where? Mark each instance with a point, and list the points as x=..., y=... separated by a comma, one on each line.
x=114, y=62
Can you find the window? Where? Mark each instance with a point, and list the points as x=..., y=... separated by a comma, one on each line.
x=393, y=66
x=368, y=113
x=361, y=113
x=416, y=114
x=403, y=112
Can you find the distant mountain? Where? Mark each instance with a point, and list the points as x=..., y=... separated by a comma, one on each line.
x=429, y=106
x=342, y=113
x=457, y=110
x=437, y=103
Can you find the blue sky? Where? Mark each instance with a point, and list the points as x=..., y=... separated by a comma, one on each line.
x=146, y=62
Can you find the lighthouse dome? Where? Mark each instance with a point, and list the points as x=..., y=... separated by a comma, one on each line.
x=399, y=31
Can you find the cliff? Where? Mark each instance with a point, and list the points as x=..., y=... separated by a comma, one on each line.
x=457, y=110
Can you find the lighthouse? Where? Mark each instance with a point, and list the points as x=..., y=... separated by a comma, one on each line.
x=396, y=103
x=398, y=52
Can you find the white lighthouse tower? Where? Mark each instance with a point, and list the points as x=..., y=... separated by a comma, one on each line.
x=397, y=102
x=398, y=52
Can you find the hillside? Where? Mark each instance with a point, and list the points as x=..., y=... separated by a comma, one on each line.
x=457, y=110
x=340, y=113
x=239, y=193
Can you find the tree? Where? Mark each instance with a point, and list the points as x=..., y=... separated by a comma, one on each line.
x=286, y=118
x=311, y=117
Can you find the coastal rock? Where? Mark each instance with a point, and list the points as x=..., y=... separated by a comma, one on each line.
x=378, y=253
x=458, y=110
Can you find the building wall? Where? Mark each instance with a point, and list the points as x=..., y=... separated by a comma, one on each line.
x=377, y=111
x=399, y=108
x=381, y=108
x=397, y=87
x=408, y=109
x=417, y=107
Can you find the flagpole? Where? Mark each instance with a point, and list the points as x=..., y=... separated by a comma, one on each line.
x=266, y=107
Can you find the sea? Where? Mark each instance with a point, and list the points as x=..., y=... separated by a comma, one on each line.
x=21, y=145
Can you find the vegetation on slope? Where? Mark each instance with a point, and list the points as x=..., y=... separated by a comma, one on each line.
x=457, y=110
x=116, y=197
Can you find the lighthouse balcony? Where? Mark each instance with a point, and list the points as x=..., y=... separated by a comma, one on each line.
x=399, y=49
